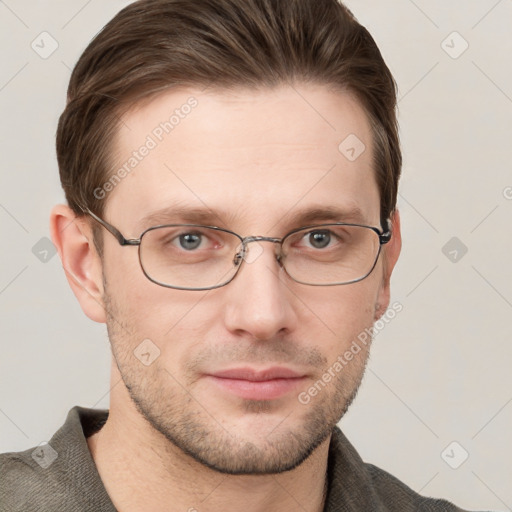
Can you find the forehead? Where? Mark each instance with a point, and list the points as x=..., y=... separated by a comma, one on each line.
x=255, y=155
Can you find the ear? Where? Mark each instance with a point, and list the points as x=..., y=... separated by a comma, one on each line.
x=82, y=264
x=390, y=253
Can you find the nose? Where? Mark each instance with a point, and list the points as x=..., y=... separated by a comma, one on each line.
x=258, y=302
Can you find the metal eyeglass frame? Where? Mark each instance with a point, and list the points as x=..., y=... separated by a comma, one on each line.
x=384, y=238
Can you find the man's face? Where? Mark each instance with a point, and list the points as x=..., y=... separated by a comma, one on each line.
x=255, y=159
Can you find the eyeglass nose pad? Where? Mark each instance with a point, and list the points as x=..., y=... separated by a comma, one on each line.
x=239, y=256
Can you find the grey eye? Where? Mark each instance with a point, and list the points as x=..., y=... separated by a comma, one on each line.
x=190, y=241
x=320, y=239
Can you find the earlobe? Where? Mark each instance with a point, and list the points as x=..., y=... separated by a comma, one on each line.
x=72, y=236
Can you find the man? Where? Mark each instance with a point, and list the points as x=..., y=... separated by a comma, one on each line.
x=231, y=171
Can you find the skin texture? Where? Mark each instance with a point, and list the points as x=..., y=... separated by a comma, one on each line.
x=175, y=440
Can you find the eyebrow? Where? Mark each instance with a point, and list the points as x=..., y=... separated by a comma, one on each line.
x=328, y=214
x=184, y=214
x=222, y=218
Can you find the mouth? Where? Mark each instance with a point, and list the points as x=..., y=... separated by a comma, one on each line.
x=265, y=384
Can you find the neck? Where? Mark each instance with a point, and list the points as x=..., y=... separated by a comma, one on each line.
x=142, y=470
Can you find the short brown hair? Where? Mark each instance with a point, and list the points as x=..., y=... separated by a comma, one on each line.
x=154, y=45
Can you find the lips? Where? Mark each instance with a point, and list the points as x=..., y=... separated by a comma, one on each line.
x=258, y=375
x=264, y=384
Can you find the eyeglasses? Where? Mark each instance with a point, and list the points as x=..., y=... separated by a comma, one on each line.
x=196, y=257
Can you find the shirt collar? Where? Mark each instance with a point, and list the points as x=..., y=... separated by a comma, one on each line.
x=349, y=484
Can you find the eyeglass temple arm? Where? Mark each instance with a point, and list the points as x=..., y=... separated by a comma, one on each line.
x=111, y=229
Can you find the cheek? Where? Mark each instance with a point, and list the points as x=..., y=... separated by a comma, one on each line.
x=343, y=313
x=149, y=310
x=349, y=305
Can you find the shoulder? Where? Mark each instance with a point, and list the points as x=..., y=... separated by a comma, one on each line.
x=22, y=478
x=58, y=475
x=395, y=495
x=367, y=487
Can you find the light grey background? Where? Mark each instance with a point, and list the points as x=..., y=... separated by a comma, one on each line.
x=439, y=372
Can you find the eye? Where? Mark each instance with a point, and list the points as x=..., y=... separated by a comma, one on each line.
x=319, y=239
x=177, y=241
x=190, y=241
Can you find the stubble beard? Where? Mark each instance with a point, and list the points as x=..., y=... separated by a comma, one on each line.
x=173, y=411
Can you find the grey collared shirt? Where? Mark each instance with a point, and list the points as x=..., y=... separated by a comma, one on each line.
x=62, y=476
